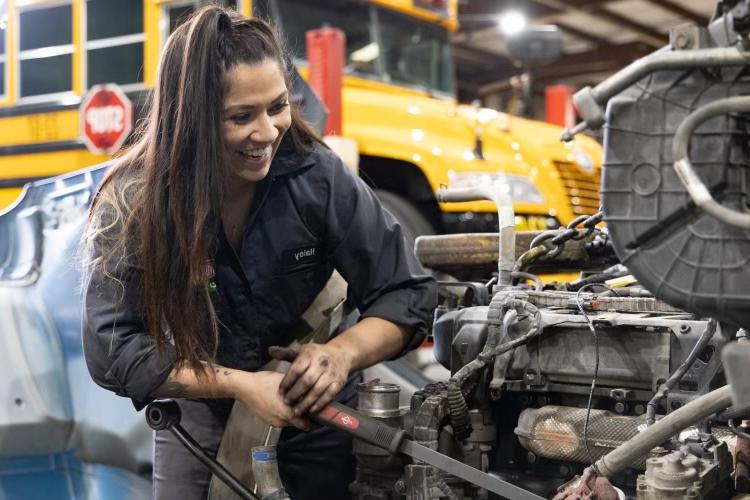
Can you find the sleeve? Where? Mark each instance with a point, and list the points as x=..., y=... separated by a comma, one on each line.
x=369, y=250
x=120, y=353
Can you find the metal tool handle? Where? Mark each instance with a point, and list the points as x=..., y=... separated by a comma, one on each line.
x=165, y=414
x=360, y=426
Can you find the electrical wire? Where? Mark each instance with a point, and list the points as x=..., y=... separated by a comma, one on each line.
x=596, y=364
x=680, y=372
x=736, y=431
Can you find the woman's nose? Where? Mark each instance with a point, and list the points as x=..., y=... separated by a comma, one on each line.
x=265, y=131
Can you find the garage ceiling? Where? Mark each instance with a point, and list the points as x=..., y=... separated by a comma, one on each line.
x=599, y=37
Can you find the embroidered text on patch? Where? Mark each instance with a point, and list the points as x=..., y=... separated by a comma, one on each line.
x=308, y=252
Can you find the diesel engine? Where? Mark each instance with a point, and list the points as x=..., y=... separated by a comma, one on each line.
x=616, y=377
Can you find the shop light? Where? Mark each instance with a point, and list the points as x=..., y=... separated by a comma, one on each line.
x=512, y=22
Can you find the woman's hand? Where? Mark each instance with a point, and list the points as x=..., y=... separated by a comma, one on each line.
x=317, y=374
x=259, y=392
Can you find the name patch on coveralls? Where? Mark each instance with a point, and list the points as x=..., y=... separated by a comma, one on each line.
x=298, y=258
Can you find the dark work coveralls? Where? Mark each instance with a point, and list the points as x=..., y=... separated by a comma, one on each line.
x=310, y=215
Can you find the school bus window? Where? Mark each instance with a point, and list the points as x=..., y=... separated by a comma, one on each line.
x=46, y=50
x=299, y=16
x=415, y=53
x=181, y=10
x=114, y=47
x=178, y=14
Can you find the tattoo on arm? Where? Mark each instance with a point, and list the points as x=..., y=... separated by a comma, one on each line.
x=171, y=389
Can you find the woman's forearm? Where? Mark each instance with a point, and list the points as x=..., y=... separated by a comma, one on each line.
x=258, y=391
x=217, y=382
x=371, y=341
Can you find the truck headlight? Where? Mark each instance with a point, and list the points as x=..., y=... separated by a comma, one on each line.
x=584, y=161
x=519, y=188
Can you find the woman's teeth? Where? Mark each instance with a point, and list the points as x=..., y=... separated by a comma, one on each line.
x=256, y=154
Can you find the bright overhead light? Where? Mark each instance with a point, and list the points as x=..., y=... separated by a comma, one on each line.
x=512, y=22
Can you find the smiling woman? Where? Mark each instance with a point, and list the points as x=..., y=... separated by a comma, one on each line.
x=209, y=239
x=256, y=117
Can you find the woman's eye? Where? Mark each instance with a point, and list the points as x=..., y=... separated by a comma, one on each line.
x=279, y=107
x=243, y=118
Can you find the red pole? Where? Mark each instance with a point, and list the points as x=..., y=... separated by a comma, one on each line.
x=325, y=59
x=559, y=105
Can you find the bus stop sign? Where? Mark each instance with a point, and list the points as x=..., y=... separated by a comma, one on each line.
x=106, y=116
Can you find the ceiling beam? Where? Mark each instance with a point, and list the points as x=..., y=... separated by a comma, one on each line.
x=589, y=37
x=645, y=33
x=608, y=59
x=675, y=8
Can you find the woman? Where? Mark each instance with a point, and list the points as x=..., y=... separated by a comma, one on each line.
x=211, y=236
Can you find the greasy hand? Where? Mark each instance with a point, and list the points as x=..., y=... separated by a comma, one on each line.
x=260, y=394
x=318, y=372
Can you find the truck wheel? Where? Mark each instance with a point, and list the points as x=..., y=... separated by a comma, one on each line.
x=412, y=222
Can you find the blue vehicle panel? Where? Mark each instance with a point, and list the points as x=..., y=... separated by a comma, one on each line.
x=61, y=436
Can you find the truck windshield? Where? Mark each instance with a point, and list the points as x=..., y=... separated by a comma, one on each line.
x=380, y=44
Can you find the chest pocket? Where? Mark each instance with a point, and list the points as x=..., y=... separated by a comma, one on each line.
x=302, y=273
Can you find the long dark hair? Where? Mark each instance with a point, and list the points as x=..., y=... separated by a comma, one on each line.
x=160, y=205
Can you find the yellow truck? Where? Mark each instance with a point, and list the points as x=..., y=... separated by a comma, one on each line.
x=399, y=103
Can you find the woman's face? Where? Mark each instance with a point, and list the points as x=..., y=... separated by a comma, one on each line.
x=255, y=117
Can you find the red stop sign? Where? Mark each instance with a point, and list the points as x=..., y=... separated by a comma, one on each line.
x=106, y=116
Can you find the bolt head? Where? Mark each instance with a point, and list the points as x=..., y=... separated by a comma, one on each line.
x=682, y=41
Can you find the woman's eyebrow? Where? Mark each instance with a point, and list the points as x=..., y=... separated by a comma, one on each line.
x=251, y=107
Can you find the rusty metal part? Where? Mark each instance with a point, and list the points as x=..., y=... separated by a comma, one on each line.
x=478, y=252
x=742, y=466
x=626, y=454
x=681, y=474
x=588, y=486
x=556, y=432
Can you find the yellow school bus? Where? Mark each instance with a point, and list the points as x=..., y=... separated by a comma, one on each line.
x=399, y=103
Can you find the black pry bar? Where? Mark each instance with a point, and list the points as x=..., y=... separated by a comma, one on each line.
x=166, y=415
x=394, y=440
x=360, y=426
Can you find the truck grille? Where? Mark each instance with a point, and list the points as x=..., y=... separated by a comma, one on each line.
x=582, y=189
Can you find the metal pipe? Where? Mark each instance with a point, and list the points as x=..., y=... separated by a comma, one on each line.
x=668, y=60
x=695, y=187
x=520, y=275
x=631, y=451
x=590, y=101
x=506, y=219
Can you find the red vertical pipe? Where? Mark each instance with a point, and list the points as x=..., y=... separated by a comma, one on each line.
x=325, y=59
x=559, y=105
